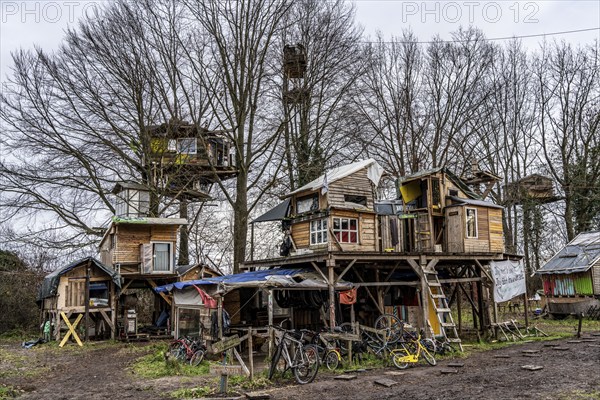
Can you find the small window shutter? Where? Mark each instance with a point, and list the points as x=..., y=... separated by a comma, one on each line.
x=146, y=256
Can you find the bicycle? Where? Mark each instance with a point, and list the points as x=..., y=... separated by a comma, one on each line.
x=305, y=360
x=188, y=350
x=329, y=354
x=389, y=328
x=411, y=352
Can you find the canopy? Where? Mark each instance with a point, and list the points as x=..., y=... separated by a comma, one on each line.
x=276, y=213
x=291, y=278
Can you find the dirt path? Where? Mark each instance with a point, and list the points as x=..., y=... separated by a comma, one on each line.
x=567, y=374
x=104, y=372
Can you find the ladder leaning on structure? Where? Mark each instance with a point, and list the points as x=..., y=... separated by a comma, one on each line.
x=442, y=309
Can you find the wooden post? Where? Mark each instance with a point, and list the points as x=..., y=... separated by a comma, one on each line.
x=250, y=353
x=424, y=301
x=526, y=308
x=459, y=308
x=220, y=317
x=113, y=314
x=331, y=284
x=270, y=315
x=87, y=302
x=252, y=241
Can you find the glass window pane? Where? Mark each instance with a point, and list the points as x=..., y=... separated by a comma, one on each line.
x=353, y=224
x=313, y=238
x=344, y=223
x=353, y=237
x=162, y=257
x=336, y=224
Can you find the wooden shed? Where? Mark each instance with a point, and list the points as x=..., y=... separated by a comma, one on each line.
x=85, y=287
x=571, y=278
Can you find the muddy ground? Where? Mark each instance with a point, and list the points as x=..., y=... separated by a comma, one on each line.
x=104, y=371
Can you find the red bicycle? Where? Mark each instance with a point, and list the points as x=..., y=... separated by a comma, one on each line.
x=188, y=350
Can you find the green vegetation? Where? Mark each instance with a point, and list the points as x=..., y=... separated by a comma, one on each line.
x=18, y=365
x=156, y=366
x=579, y=395
x=8, y=392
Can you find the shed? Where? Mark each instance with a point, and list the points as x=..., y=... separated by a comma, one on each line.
x=571, y=278
x=83, y=286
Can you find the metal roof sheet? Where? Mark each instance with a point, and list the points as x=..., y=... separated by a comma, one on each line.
x=579, y=255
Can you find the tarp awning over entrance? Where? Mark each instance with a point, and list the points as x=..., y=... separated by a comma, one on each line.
x=291, y=278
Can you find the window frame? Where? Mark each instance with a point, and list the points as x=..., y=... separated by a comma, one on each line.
x=475, y=223
x=318, y=227
x=349, y=231
x=314, y=203
x=185, y=150
x=171, y=261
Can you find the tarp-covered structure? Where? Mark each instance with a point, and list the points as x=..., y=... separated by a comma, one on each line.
x=282, y=278
x=50, y=283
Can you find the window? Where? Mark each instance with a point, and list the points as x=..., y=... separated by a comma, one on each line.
x=162, y=257
x=318, y=231
x=187, y=145
x=471, y=214
x=306, y=204
x=361, y=200
x=346, y=230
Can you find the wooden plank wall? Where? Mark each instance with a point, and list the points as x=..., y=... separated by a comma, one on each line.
x=596, y=277
x=356, y=184
x=385, y=221
x=496, y=230
x=130, y=237
x=454, y=230
x=300, y=234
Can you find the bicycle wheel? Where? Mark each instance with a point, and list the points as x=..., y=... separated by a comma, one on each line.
x=397, y=355
x=177, y=350
x=197, y=357
x=332, y=359
x=429, y=344
x=392, y=325
x=307, y=359
x=428, y=356
x=275, y=360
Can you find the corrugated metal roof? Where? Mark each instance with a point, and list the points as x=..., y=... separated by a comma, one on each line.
x=579, y=255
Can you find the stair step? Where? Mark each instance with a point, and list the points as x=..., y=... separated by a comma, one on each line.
x=443, y=310
x=438, y=296
x=435, y=284
x=454, y=340
x=448, y=324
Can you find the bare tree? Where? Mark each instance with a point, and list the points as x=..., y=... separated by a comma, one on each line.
x=568, y=98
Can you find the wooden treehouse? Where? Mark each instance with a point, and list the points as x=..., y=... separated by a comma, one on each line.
x=81, y=294
x=535, y=188
x=415, y=256
x=186, y=159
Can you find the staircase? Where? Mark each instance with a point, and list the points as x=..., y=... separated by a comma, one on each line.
x=442, y=309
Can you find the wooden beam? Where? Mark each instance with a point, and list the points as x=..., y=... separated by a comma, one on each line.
x=316, y=267
x=164, y=296
x=388, y=284
x=458, y=280
x=107, y=319
x=345, y=270
x=370, y=295
x=332, y=235
x=72, y=329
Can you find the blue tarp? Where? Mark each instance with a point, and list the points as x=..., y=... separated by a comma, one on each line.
x=235, y=279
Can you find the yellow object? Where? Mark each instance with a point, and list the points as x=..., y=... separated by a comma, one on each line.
x=411, y=191
x=71, y=329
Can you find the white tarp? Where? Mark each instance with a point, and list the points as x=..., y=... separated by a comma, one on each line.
x=509, y=279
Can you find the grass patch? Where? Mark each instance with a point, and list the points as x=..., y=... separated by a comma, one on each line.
x=155, y=366
x=8, y=392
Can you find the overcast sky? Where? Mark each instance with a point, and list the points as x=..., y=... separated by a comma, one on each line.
x=25, y=23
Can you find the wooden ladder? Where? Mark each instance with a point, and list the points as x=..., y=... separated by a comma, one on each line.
x=442, y=309
x=423, y=232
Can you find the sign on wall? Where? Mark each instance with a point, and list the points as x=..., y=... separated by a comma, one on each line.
x=509, y=279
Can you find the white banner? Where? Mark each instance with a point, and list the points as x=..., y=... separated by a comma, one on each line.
x=509, y=279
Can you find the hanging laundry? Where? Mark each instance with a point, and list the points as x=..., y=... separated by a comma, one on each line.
x=208, y=301
x=348, y=297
